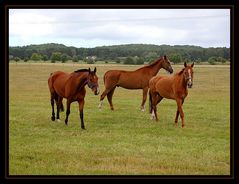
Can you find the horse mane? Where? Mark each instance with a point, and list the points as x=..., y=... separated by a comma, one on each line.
x=152, y=64
x=155, y=62
x=81, y=70
x=179, y=73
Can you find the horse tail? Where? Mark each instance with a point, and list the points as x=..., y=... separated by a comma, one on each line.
x=150, y=101
x=104, y=78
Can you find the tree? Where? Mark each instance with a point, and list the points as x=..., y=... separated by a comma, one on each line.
x=44, y=57
x=151, y=57
x=17, y=59
x=129, y=61
x=212, y=60
x=221, y=60
x=175, y=58
x=75, y=58
x=117, y=60
x=64, y=58
x=26, y=59
x=55, y=56
x=139, y=61
x=36, y=57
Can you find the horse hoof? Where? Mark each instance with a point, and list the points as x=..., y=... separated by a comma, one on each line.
x=83, y=128
x=53, y=118
x=58, y=120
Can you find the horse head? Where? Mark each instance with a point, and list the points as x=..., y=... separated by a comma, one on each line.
x=92, y=81
x=166, y=64
x=188, y=74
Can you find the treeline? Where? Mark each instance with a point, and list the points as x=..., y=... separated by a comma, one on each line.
x=127, y=54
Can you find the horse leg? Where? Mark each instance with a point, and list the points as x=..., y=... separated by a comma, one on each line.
x=102, y=98
x=180, y=109
x=52, y=106
x=145, y=91
x=107, y=90
x=59, y=102
x=81, y=106
x=109, y=97
x=176, y=118
x=177, y=114
x=68, y=105
x=61, y=105
x=156, y=98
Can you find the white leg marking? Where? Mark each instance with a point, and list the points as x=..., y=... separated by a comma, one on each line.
x=100, y=104
x=143, y=108
x=58, y=120
x=152, y=115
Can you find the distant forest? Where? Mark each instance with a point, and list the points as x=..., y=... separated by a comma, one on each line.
x=127, y=54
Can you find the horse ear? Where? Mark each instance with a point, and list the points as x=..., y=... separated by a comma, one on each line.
x=89, y=70
x=95, y=70
x=192, y=64
x=185, y=64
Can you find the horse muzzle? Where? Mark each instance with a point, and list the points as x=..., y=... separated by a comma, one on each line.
x=190, y=85
x=170, y=70
x=96, y=90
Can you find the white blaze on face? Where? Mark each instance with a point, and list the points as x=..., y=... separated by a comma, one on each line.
x=190, y=76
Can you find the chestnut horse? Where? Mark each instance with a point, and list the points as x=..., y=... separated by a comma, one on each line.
x=72, y=87
x=138, y=79
x=174, y=87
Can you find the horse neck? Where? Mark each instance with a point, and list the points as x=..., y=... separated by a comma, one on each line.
x=155, y=67
x=82, y=79
x=182, y=81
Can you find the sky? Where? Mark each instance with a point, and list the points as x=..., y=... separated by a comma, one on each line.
x=103, y=27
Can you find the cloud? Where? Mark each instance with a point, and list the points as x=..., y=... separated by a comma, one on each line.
x=204, y=27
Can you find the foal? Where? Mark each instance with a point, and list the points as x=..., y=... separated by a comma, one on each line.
x=171, y=88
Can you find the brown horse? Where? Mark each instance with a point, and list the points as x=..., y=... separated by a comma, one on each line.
x=72, y=87
x=138, y=79
x=171, y=88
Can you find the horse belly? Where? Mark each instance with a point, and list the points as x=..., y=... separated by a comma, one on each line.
x=130, y=81
x=130, y=84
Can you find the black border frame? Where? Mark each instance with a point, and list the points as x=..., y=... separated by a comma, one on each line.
x=228, y=4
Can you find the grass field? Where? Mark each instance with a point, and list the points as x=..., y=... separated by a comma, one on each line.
x=123, y=142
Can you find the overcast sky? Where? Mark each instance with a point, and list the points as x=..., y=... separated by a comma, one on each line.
x=99, y=27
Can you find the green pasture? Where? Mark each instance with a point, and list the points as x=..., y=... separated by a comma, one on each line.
x=123, y=142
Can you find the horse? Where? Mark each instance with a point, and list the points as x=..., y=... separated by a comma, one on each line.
x=171, y=87
x=72, y=87
x=138, y=79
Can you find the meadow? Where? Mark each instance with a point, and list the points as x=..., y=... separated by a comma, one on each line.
x=122, y=142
